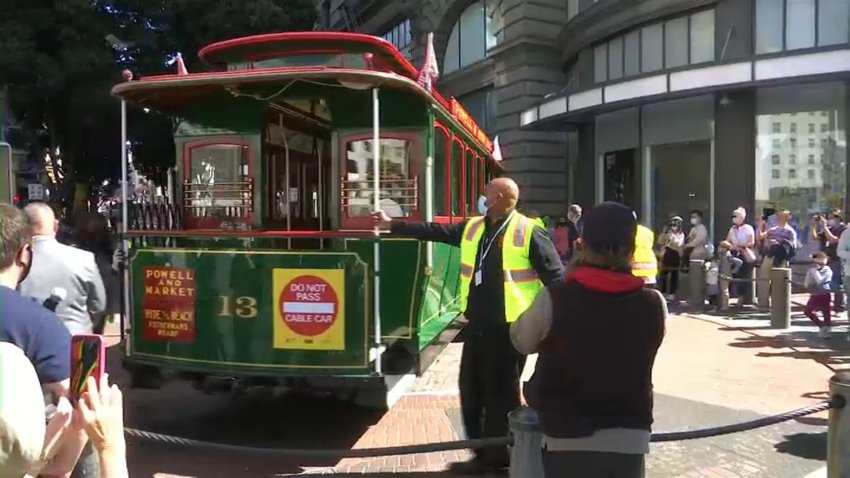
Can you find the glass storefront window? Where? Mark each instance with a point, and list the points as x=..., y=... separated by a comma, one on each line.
x=400, y=36
x=702, y=37
x=652, y=47
x=794, y=24
x=832, y=22
x=600, y=63
x=615, y=59
x=800, y=24
x=674, y=43
x=821, y=186
x=631, y=53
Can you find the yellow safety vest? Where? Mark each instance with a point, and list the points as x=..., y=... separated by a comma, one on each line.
x=539, y=222
x=521, y=281
x=644, y=263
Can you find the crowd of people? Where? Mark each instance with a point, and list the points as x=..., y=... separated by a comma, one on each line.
x=50, y=291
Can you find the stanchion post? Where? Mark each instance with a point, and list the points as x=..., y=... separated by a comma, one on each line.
x=723, y=293
x=697, y=282
x=780, y=289
x=526, y=459
x=838, y=437
x=763, y=284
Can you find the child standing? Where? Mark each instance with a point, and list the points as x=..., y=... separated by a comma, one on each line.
x=817, y=282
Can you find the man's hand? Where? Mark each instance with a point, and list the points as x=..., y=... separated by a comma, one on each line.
x=382, y=220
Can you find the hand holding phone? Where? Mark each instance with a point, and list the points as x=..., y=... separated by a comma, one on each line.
x=88, y=359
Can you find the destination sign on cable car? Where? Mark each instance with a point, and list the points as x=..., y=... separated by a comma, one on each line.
x=468, y=122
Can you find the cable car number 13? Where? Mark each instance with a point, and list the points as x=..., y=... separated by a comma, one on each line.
x=244, y=307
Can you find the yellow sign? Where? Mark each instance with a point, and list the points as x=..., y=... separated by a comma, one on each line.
x=309, y=309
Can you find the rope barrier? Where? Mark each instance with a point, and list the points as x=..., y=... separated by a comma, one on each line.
x=835, y=402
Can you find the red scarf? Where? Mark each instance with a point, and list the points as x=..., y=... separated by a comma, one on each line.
x=604, y=280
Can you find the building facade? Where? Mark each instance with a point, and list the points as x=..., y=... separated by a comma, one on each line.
x=666, y=105
x=676, y=105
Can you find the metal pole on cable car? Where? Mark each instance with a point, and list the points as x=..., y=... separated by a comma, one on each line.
x=376, y=193
x=125, y=289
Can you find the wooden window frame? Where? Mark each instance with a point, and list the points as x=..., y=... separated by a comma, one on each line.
x=415, y=159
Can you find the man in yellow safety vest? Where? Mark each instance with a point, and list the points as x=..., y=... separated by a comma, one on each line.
x=505, y=260
x=645, y=263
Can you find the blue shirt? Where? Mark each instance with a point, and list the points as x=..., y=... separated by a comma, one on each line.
x=38, y=332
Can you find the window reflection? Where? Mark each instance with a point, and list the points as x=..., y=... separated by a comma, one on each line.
x=821, y=184
x=218, y=183
x=397, y=182
x=472, y=35
x=828, y=21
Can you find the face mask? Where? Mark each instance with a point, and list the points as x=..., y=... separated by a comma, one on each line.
x=482, y=205
x=737, y=220
x=694, y=221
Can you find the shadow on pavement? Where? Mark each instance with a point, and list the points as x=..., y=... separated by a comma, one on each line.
x=833, y=352
x=260, y=418
x=811, y=446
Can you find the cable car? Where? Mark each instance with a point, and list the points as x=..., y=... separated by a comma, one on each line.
x=265, y=268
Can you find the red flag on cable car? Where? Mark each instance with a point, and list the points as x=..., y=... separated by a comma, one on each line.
x=181, y=67
x=497, y=150
x=430, y=71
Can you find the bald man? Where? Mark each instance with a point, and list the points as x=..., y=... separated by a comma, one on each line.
x=506, y=259
x=57, y=267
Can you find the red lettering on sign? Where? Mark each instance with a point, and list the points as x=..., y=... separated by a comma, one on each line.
x=168, y=304
x=468, y=122
x=309, y=305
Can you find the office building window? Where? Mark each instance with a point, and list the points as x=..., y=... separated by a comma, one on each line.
x=470, y=38
x=400, y=36
x=777, y=127
x=793, y=141
x=776, y=143
x=807, y=23
x=792, y=159
x=811, y=174
x=792, y=174
x=774, y=159
x=794, y=128
x=674, y=43
x=811, y=159
x=811, y=128
x=824, y=128
x=811, y=142
x=775, y=174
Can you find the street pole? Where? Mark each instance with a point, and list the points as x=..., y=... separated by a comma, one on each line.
x=124, y=219
x=376, y=193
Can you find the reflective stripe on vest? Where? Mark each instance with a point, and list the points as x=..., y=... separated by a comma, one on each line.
x=521, y=281
x=644, y=263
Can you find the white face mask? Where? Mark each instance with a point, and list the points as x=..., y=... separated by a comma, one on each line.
x=694, y=221
x=482, y=205
x=738, y=220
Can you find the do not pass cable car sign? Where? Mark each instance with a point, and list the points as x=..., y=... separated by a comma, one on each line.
x=309, y=309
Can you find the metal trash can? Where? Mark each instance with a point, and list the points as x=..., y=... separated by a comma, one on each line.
x=526, y=458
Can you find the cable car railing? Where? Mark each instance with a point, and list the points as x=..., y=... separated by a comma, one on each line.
x=234, y=199
x=358, y=194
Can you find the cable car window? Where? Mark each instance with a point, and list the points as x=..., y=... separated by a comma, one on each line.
x=482, y=175
x=457, y=178
x=441, y=156
x=471, y=192
x=399, y=187
x=218, y=183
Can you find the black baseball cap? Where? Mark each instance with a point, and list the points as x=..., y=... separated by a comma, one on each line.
x=610, y=227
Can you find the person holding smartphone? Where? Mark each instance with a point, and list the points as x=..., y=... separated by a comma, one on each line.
x=827, y=230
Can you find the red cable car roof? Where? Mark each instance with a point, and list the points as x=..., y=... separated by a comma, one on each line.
x=269, y=44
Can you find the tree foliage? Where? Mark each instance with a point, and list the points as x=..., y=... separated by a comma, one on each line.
x=59, y=60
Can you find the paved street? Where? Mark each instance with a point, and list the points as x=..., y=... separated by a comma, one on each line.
x=710, y=371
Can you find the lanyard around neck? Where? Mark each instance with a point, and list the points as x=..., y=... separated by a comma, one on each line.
x=493, y=239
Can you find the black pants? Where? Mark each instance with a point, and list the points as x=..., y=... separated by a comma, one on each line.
x=669, y=277
x=743, y=290
x=592, y=464
x=490, y=370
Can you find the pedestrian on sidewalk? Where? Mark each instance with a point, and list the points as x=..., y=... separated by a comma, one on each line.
x=740, y=242
x=506, y=259
x=817, y=282
x=595, y=402
x=671, y=241
x=827, y=230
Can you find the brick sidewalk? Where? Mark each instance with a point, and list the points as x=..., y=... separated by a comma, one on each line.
x=709, y=371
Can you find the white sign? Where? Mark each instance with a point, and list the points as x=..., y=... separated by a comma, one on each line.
x=35, y=192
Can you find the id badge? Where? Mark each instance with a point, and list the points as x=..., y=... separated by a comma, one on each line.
x=477, y=278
